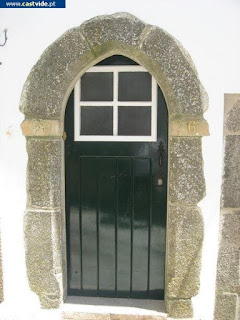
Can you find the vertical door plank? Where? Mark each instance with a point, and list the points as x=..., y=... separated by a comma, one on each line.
x=73, y=227
x=107, y=203
x=124, y=227
x=142, y=178
x=88, y=207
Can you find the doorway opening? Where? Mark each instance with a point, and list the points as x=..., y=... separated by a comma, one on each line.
x=116, y=160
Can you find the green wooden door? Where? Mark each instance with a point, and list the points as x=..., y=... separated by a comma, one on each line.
x=116, y=197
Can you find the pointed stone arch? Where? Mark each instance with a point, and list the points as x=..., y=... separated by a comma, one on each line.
x=43, y=102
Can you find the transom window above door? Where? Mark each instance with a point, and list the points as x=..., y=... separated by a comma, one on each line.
x=115, y=103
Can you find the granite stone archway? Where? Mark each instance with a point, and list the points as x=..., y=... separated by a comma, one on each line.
x=43, y=102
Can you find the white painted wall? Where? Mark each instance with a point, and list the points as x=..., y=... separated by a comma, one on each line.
x=208, y=29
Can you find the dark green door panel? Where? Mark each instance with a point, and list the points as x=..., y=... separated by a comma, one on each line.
x=116, y=214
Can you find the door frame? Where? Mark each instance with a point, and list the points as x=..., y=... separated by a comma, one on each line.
x=43, y=102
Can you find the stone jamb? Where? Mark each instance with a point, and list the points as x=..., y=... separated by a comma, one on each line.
x=43, y=102
x=228, y=267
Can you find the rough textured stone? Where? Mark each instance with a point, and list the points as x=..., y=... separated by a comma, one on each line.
x=226, y=307
x=185, y=237
x=1, y=271
x=45, y=89
x=42, y=243
x=181, y=308
x=51, y=80
x=188, y=96
x=228, y=273
x=41, y=128
x=44, y=173
x=231, y=174
x=187, y=184
x=233, y=117
x=113, y=32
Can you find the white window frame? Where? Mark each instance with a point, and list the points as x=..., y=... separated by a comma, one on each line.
x=115, y=104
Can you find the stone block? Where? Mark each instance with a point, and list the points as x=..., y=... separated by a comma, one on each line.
x=228, y=276
x=181, y=308
x=226, y=307
x=42, y=242
x=46, y=87
x=113, y=32
x=231, y=173
x=44, y=173
x=232, y=113
x=176, y=67
x=41, y=128
x=186, y=179
x=184, y=238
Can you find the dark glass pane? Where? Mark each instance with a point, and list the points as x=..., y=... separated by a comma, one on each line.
x=96, y=121
x=134, y=86
x=134, y=121
x=97, y=86
x=117, y=60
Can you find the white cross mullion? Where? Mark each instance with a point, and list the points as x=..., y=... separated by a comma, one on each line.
x=115, y=103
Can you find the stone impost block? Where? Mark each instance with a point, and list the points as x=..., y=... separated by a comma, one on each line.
x=184, y=238
x=186, y=180
x=175, y=68
x=45, y=91
x=226, y=307
x=44, y=173
x=231, y=174
x=42, y=241
x=113, y=33
x=188, y=126
x=228, y=275
x=41, y=128
x=181, y=308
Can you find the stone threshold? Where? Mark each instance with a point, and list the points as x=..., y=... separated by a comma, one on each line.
x=88, y=308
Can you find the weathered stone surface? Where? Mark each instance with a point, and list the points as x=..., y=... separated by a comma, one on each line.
x=228, y=275
x=188, y=126
x=187, y=185
x=185, y=237
x=226, y=307
x=181, y=308
x=42, y=242
x=113, y=32
x=47, y=88
x=231, y=174
x=176, y=70
x=44, y=173
x=233, y=117
x=47, y=85
x=1, y=270
x=41, y=128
